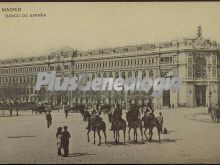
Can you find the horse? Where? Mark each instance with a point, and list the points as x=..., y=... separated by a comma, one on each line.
x=96, y=125
x=150, y=121
x=117, y=125
x=134, y=124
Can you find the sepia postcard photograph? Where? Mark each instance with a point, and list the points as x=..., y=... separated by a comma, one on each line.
x=109, y=82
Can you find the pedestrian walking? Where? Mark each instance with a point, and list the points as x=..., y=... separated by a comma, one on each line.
x=59, y=144
x=65, y=141
x=49, y=119
x=160, y=119
x=66, y=111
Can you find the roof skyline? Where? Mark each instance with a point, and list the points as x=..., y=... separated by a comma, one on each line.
x=67, y=48
x=94, y=26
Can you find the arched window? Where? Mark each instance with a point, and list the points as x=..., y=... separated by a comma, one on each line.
x=116, y=74
x=32, y=79
x=129, y=74
x=110, y=74
x=58, y=68
x=104, y=75
x=123, y=75
x=93, y=75
x=151, y=74
x=199, y=66
x=99, y=75
x=143, y=74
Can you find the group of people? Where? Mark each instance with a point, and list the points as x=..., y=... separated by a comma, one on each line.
x=63, y=137
x=115, y=113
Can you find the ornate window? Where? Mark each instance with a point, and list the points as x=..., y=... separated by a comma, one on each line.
x=129, y=74
x=165, y=60
x=213, y=72
x=151, y=74
x=214, y=60
x=143, y=73
x=110, y=74
x=99, y=75
x=66, y=66
x=199, y=66
x=93, y=75
x=123, y=74
x=116, y=74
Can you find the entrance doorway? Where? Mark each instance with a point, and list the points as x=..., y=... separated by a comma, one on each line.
x=200, y=95
x=166, y=98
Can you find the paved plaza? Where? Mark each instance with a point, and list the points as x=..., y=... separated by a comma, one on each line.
x=192, y=138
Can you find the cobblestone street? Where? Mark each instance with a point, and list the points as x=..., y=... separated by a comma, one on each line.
x=192, y=138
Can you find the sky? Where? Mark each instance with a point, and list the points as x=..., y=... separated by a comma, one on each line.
x=89, y=26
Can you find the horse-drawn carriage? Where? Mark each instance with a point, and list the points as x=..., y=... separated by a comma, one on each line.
x=214, y=113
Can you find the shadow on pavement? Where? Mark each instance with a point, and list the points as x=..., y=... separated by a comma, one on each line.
x=165, y=140
x=19, y=136
x=113, y=143
x=170, y=140
x=136, y=142
x=79, y=154
x=169, y=132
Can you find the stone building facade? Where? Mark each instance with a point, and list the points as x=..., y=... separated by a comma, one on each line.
x=196, y=61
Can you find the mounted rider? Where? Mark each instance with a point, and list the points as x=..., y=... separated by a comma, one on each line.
x=116, y=114
x=94, y=117
x=94, y=111
x=134, y=112
x=110, y=113
x=86, y=114
x=149, y=110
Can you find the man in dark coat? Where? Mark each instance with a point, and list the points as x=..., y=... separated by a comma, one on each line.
x=65, y=141
x=116, y=115
x=49, y=119
x=135, y=112
x=66, y=110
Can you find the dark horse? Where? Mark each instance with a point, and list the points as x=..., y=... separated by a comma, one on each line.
x=137, y=123
x=117, y=125
x=96, y=125
x=150, y=121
